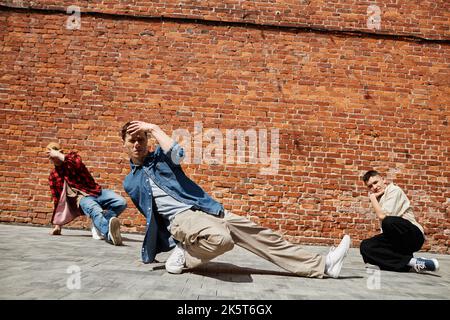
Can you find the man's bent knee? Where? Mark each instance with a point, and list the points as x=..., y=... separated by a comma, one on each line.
x=227, y=242
x=388, y=223
x=364, y=247
x=220, y=243
x=120, y=205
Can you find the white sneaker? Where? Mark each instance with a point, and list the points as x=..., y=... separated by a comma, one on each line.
x=175, y=263
x=96, y=234
x=335, y=258
x=114, y=231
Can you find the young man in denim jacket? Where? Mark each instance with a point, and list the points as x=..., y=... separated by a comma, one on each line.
x=180, y=214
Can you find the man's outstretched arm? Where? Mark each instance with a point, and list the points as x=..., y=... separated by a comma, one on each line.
x=163, y=139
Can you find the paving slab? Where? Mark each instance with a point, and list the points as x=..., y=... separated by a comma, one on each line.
x=37, y=266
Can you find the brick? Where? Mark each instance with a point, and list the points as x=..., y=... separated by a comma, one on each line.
x=342, y=105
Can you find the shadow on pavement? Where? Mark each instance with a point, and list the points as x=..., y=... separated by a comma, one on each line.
x=233, y=273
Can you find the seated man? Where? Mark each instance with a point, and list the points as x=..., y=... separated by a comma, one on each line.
x=73, y=188
x=175, y=207
x=401, y=234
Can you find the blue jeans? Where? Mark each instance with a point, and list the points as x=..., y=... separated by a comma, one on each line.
x=102, y=208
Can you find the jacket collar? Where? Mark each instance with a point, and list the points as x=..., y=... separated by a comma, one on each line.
x=147, y=160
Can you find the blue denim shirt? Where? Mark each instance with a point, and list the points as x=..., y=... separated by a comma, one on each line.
x=165, y=170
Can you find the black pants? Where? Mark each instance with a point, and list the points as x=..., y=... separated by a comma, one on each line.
x=393, y=249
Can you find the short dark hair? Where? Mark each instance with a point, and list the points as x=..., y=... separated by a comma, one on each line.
x=369, y=174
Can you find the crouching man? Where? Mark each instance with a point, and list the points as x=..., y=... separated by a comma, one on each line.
x=74, y=191
x=180, y=215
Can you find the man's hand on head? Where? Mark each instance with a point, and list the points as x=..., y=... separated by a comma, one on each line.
x=56, y=156
x=137, y=126
x=161, y=137
x=53, y=154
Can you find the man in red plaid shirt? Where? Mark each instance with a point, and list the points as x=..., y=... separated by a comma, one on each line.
x=74, y=192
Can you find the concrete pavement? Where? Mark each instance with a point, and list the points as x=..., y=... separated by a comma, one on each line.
x=35, y=265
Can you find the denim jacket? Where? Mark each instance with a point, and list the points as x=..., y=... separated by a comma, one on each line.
x=165, y=170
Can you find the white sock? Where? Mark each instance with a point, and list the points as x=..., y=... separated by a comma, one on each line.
x=412, y=262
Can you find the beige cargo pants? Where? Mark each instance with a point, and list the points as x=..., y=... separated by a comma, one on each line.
x=205, y=237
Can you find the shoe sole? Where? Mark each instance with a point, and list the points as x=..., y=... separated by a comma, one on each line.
x=114, y=231
x=436, y=263
x=174, y=270
x=336, y=271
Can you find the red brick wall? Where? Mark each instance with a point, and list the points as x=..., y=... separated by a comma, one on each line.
x=429, y=19
x=343, y=103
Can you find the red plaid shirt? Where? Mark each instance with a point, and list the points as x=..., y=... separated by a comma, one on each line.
x=77, y=176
